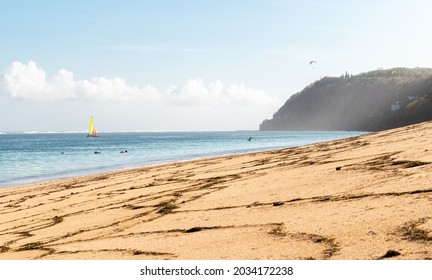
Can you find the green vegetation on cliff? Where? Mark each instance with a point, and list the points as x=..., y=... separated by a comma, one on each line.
x=361, y=102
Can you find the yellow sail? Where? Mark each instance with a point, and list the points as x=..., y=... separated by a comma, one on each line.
x=91, y=125
x=92, y=131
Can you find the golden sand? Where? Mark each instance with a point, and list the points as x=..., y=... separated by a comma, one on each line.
x=367, y=197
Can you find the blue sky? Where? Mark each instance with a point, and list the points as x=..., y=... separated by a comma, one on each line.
x=189, y=65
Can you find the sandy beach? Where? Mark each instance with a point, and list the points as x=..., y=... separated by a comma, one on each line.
x=367, y=197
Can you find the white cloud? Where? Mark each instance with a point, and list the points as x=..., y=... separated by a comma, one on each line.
x=195, y=92
x=28, y=81
x=101, y=88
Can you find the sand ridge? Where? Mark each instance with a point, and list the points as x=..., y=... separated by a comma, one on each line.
x=366, y=197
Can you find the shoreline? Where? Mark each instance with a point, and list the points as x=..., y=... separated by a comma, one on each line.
x=72, y=160
x=115, y=169
x=120, y=170
x=352, y=198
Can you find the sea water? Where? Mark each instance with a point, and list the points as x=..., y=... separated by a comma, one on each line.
x=31, y=157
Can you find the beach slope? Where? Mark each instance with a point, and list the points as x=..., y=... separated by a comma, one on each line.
x=367, y=197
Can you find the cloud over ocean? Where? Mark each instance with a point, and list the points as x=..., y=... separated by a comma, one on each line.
x=29, y=81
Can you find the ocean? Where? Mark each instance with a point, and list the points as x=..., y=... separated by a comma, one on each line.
x=32, y=157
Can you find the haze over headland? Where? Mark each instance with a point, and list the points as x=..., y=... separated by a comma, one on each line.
x=371, y=101
x=189, y=65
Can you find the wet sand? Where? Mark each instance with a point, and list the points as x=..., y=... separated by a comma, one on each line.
x=367, y=197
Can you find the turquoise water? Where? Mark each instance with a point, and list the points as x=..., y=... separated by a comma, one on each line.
x=27, y=158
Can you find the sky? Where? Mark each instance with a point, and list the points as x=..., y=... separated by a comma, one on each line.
x=190, y=65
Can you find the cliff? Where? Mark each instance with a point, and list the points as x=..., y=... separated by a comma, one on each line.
x=371, y=101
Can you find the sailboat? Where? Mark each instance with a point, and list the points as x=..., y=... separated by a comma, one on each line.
x=92, y=131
